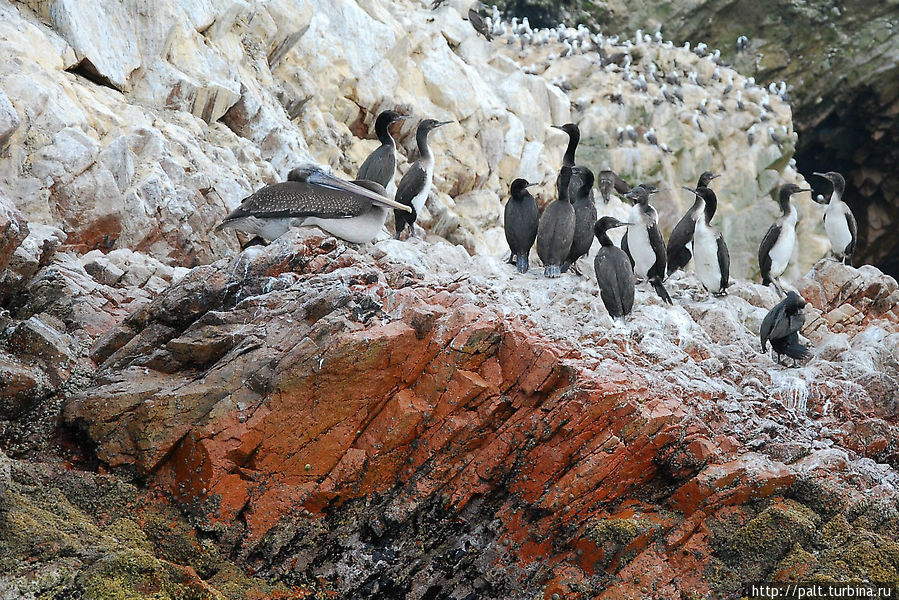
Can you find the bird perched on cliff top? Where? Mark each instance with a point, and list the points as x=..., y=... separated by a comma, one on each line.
x=414, y=187
x=555, y=231
x=776, y=249
x=680, y=244
x=477, y=21
x=645, y=244
x=380, y=166
x=354, y=211
x=839, y=222
x=781, y=327
x=520, y=221
x=614, y=274
x=581, y=190
x=709, y=249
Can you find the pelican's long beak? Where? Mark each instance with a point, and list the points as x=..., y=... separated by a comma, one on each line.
x=326, y=180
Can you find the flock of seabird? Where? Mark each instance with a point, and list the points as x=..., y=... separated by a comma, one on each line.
x=645, y=256
x=357, y=210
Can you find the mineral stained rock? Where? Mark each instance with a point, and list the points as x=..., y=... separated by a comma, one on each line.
x=303, y=391
x=313, y=419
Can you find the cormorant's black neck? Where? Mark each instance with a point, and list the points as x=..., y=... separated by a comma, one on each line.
x=382, y=130
x=784, y=201
x=564, y=180
x=422, y=138
x=839, y=186
x=604, y=240
x=574, y=136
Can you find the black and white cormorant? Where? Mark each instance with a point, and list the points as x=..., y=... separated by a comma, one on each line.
x=415, y=185
x=839, y=222
x=776, y=249
x=679, y=250
x=520, y=221
x=614, y=274
x=477, y=21
x=556, y=229
x=354, y=211
x=650, y=189
x=380, y=166
x=781, y=327
x=645, y=244
x=709, y=249
x=581, y=194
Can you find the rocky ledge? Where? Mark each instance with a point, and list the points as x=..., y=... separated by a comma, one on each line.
x=413, y=420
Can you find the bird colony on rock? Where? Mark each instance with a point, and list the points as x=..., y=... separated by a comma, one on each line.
x=356, y=211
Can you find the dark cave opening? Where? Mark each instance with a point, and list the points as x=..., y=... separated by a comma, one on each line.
x=858, y=139
x=86, y=69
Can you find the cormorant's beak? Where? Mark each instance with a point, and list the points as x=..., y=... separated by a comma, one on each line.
x=715, y=176
x=441, y=124
x=531, y=184
x=800, y=191
x=820, y=175
x=324, y=179
x=402, y=118
x=620, y=224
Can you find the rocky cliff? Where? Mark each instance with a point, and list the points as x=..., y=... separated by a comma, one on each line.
x=317, y=419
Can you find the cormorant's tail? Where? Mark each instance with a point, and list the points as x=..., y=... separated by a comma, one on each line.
x=794, y=350
x=660, y=290
x=522, y=263
x=551, y=271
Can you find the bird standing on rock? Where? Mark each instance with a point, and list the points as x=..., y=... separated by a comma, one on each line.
x=776, y=249
x=380, y=166
x=608, y=181
x=614, y=274
x=581, y=190
x=645, y=243
x=477, y=21
x=520, y=221
x=556, y=229
x=354, y=211
x=415, y=185
x=709, y=249
x=781, y=327
x=839, y=222
x=679, y=251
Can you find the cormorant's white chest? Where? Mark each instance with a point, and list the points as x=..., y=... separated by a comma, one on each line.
x=836, y=225
x=705, y=256
x=419, y=199
x=782, y=251
x=638, y=241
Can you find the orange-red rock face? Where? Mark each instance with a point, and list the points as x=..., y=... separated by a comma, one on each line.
x=294, y=383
